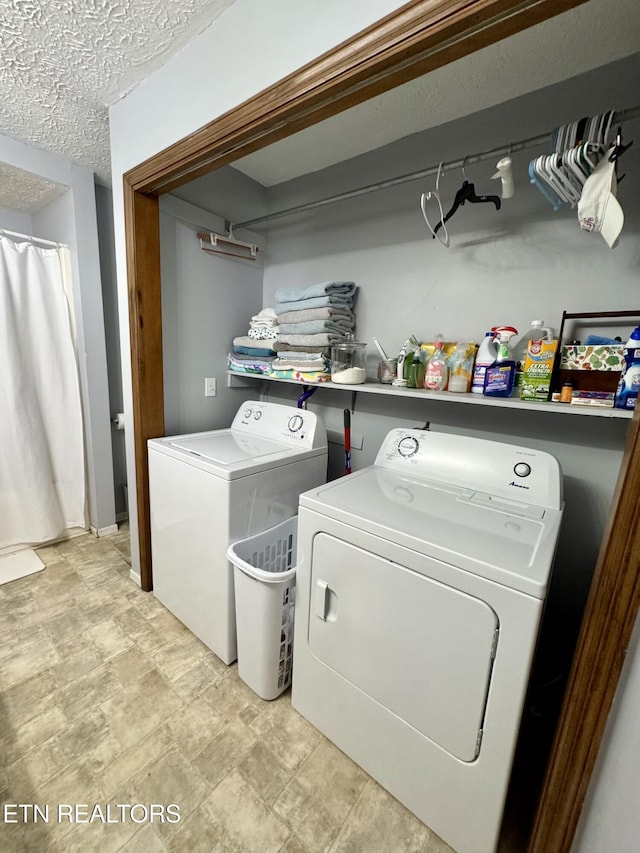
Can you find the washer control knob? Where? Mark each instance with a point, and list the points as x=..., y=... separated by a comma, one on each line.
x=295, y=423
x=522, y=469
x=408, y=446
x=247, y=413
x=257, y=414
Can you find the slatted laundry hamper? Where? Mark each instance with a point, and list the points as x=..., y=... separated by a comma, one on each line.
x=265, y=580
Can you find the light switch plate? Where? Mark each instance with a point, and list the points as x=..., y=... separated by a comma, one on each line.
x=210, y=387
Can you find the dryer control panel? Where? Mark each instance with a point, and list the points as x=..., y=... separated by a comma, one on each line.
x=495, y=468
x=281, y=423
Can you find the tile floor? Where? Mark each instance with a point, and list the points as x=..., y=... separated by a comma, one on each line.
x=105, y=698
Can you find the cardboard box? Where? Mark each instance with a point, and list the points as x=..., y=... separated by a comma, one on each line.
x=538, y=367
x=593, y=398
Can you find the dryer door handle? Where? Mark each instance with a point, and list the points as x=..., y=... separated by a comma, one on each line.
x=321, y=599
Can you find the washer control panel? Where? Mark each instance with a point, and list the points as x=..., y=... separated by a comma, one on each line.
x=495, y=468
x=281, y=423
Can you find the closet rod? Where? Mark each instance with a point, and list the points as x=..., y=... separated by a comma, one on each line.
x=31, y=239
x=512, y=148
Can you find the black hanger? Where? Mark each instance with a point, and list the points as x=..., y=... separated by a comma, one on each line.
x=617, y=150
x=467, y=192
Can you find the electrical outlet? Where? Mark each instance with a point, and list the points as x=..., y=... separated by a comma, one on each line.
x=210, y=387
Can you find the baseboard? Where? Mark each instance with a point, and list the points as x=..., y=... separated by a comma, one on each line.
x=104, y=531
x=122, y=516
x=135, y=577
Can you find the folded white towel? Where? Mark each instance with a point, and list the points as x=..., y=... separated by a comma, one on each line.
x=267, y=315
x=261, y=334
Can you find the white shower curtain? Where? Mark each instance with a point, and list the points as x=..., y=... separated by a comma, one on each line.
x=42, y=473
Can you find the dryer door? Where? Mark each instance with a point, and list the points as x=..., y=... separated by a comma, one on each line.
x=420, y=648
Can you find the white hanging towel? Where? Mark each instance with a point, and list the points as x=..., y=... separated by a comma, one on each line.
x=42, y=471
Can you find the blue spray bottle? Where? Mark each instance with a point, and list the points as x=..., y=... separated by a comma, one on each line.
x=500, y=376
x=629, y=384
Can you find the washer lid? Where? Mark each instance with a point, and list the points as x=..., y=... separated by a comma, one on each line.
x=230, y=453
x=228, y=447
x=510, y=543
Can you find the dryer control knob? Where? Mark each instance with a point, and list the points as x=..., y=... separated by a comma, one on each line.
x=247, y=413
x=295, y=423
x=408, y=446
x=521, y=469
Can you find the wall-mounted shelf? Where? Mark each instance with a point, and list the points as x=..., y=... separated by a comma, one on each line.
x=244, y=380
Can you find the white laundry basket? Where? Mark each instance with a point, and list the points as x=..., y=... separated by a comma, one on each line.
x=265, y=580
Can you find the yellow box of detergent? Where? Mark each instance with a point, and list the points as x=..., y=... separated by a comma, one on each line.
x=538, y=367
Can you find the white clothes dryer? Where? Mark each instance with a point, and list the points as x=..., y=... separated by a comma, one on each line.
x=209, y=489
x=420, y=587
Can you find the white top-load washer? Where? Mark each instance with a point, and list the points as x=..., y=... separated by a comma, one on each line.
x=209, y=489
x=420, y=588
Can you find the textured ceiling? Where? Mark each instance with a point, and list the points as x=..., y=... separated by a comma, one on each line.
x=24, y=192
x=63, y=62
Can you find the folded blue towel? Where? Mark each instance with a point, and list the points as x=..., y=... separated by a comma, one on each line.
x=315, y=302
x=327, y=288
x=255, y=351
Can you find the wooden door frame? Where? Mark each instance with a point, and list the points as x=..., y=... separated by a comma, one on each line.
x=416, y=38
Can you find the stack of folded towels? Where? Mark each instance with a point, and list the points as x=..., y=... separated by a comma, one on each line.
x=310, y=321
x=264, y=326
x=254, y=352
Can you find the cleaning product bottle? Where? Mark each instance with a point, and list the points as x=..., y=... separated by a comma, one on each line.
x=400, y=380
x=536, y=332
x=486, y=355
x=500, y=376
x=436, y=373
x=629, y=384
x=460, y=366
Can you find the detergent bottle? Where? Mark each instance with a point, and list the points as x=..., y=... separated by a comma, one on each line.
x=536, y=332
x=629, y=385
x=500, y=376
x=485, y=357
x=436, y=372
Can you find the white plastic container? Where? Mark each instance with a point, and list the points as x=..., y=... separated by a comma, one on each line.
x=265, y=580
x=536, y=332
x=487, y=354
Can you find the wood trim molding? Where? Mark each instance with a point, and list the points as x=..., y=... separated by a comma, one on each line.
x=416, y=38
x=609, y=618
x=142, y=229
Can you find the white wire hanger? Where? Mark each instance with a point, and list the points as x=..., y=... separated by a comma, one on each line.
x=442, y=234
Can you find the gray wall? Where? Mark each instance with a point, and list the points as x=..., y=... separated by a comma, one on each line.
x=206, y=301
x=104, y=212
x=14, y=220
x=610, y=819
